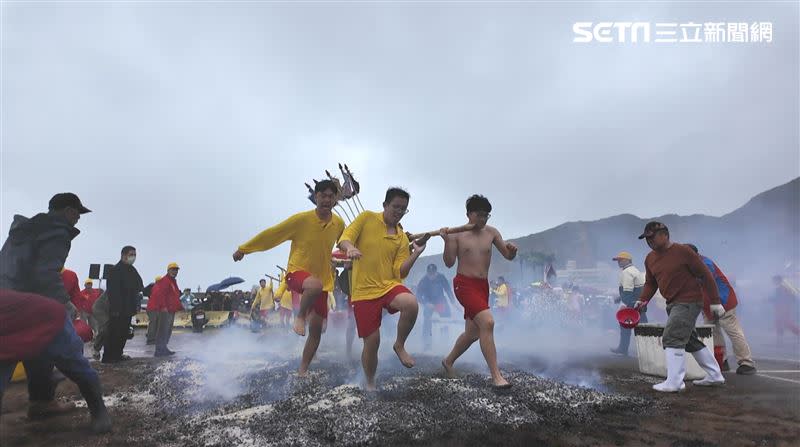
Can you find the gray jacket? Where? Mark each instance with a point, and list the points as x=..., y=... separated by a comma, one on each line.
x=33, y=256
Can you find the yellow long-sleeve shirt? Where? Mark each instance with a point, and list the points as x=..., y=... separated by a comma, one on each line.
x=312, y=243
x=284, y=294
x=263, y=300
x=378, y=270
x=502, y=295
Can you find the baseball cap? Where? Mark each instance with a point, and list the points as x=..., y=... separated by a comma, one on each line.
x=65, y=199
x=173, y=265
x=622, y=255
x=651, y=228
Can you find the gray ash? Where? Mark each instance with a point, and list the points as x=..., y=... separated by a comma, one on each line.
x=276, y=407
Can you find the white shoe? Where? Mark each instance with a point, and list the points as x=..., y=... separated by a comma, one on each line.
x=709, y=364
x=662, y=387
x=676, y=371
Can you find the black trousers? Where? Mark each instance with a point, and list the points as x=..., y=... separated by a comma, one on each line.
x=116, y=337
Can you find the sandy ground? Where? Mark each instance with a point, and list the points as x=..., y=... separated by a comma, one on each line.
x=207, y=396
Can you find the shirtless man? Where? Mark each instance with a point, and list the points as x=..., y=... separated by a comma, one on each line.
x=313, y=234
x=473, y=250
x=377, y=244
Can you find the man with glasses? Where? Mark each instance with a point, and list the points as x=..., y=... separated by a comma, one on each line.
x=675, y=269
x=313, y=234
x=379, y=246
x=473, y=250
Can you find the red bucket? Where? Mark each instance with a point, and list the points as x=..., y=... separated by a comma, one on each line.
x=83, y=330
x=628, y=318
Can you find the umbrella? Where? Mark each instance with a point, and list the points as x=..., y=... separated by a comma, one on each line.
x=225, y=283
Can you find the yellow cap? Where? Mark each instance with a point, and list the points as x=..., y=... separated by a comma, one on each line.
x=622, y=255
x=88, y=281
x=173, y=265
x=158, y=277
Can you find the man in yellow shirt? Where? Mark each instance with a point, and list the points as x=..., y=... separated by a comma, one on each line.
x=378, y=243
x=263, y=301
x=503, y=293
x=313, y=234
x=284, y=296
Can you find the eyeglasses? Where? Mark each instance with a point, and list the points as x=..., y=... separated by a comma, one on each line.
x=399, y=209
x=483, y=215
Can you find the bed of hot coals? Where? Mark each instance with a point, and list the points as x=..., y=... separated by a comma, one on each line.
x=251, y=401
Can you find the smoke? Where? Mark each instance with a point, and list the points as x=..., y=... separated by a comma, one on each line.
x=223, y=358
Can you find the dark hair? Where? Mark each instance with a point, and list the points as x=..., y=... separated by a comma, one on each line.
x=431, y=267
x=262, y=279
x=187, y=290
x=693, y=247
x=326, y=185
x=127, y=249
x=478, y=202
x=500, y=278
x=393, y=192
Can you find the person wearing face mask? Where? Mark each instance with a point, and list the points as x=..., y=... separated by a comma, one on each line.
x=124, y=286
x=378, y=246
x=165, y=299
x=31, y=262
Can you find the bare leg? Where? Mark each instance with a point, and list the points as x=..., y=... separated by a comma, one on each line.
x=369, y=358
x=312, y=342
x=312, y=287
x=463, y=342
x=485, y=323
x=406, y=303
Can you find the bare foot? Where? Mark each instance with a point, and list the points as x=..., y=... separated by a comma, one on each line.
x=501, y=383
x=405, y=357
x=299, y=326
x=302, y=372
x=449, y=372
x=371, y=387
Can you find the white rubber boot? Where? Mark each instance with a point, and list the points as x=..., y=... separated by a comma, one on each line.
x=676, y=370
x=709, y=364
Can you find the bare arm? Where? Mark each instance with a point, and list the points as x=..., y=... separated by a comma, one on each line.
x=450, y=247
x=405, y=267
x=507, y=249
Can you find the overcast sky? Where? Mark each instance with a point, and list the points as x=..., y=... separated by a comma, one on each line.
x=189, y=127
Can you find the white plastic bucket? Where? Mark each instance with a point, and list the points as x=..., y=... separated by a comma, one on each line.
x=651, y=351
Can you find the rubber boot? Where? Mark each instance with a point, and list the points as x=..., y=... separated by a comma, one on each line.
x=709, y=364
x=676, y=371
x=101, y=421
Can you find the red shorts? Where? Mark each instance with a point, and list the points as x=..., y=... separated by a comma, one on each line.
x=472, y=293
x=294, y=281
x=368, y=313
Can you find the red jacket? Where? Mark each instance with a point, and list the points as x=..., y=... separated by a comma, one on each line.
x=28, y=323
x=73, y=289
x=90, y=296
x=165, y=296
